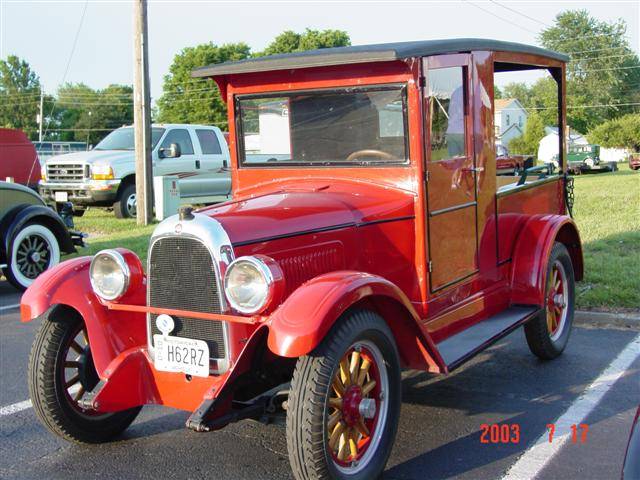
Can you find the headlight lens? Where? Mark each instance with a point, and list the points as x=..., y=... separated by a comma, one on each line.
x=101, y=172
x=109, y=274
x=43, y=173
x=248, y=285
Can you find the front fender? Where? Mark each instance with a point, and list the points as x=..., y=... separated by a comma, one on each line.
x=46, y=216
x=303, y=320
x=531, y=256
x=110, y=332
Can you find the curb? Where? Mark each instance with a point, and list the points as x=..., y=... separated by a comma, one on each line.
x=606, y=319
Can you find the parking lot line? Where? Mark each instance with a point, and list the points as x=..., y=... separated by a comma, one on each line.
x=541, y=453
x=15, y=408
x=9, y=307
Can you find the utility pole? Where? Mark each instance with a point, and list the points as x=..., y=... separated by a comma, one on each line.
x=40, y=117
x=142, y=114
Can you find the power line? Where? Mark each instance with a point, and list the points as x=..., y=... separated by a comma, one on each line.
x=501, y=18
x=520, y=13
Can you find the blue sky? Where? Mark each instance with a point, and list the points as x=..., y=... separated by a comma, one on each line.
x=42, y=32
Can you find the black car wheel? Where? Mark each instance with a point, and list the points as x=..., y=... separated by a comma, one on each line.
x=344, y=404
x=33, y=249
x=61, y=372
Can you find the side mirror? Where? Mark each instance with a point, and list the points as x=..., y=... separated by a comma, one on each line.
x=172, y=152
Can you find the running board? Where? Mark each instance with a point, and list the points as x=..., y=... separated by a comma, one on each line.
x=461, y=347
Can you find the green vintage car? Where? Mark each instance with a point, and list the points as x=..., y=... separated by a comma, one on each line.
x=583, y=157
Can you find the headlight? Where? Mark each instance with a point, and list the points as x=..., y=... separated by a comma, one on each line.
x=43, y=173
x=251, y=283
x=101, y=172
x=109, y=274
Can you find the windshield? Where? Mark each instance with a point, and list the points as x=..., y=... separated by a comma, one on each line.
x=122, y=139
x=351, y=126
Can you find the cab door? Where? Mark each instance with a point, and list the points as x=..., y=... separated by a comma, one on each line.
x=451, y=171
x=185, y=167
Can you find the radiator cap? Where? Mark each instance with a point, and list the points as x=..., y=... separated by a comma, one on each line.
x=185, y=213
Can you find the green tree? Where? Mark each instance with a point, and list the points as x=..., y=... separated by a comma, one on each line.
x=623, y=132
x=603, y=70
x=527, y=143
x=289, y=41
x=19, y=95
x=188, y=100
x=88, y=115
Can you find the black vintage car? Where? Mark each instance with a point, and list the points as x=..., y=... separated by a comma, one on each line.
x=33, y=236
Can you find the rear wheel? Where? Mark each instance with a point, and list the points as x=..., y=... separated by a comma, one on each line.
x=126, y=205
x=547, y=335
x=61, y=372
x=345, y=401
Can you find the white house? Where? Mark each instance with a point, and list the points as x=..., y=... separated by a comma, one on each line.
x=510, y=120
x=550, y=145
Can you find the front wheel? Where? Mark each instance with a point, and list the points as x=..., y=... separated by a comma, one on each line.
x=344, y=403
x=34, y=249
x=548, y=334
x=61, y=372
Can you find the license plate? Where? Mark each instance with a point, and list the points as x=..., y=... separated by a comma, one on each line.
x=186, y=355
x=61, y=196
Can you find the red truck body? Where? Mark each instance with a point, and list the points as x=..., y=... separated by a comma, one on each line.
x=18, y=158
x=391, y=252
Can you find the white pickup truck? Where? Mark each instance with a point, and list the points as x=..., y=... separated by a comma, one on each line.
x=105, y=176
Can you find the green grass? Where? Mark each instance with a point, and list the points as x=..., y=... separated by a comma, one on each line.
x=607, y=211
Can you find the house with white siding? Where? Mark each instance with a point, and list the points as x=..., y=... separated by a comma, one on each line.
x=510, y=120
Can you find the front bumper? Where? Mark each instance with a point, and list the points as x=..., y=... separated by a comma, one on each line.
x=91, y=192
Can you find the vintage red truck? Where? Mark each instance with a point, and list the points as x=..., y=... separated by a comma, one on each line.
x=372, y=234
x=18, y=158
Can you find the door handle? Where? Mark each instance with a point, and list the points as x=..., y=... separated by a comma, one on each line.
x=197, y=163
x=473, y=169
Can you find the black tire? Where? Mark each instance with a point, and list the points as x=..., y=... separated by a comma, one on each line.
x=544, y=341
x=122, y=207
x=31, y=239
x=308, y=405
x=50, y=397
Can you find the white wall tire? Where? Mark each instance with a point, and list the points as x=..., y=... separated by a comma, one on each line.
x=34, y=249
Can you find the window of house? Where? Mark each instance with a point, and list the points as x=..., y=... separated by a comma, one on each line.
x=182, y=138
x=209, y=142
x=520, y=121
x=508, y=119
x=447, y=113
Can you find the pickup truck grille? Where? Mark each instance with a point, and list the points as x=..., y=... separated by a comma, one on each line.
x=182, y=276
x=62, y=173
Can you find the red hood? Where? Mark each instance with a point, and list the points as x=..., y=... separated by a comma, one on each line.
x=308, y=208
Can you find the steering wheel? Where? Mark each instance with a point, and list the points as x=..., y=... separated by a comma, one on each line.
x=370, y=153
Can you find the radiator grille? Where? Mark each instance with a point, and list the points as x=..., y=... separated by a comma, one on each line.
x=65, y=173
x=182, y=276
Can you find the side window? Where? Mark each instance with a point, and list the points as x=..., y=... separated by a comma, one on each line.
x=447, y=98
x=209, y=142
x=182, y=138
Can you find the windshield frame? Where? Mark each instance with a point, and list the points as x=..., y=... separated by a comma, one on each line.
x=401, y=87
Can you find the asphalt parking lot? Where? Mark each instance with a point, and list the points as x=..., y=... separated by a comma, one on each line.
x=440, y=429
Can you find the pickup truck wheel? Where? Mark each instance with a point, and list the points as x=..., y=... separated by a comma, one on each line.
x=344, y=404
x=61, y=372
x=125, y=206
x=34, y=249
x=548, y=334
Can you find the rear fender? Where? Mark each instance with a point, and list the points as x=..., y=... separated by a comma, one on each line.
x=110, y=332
x=299, y=325
x=531, y=256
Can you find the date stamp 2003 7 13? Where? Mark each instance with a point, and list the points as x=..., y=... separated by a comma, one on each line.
x=510, y=433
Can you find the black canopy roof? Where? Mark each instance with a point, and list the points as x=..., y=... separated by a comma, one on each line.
x=382, y=52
